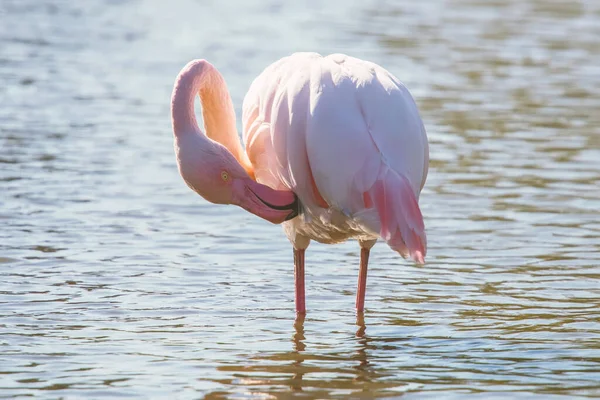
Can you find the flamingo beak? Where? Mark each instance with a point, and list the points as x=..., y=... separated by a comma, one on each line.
x=275, y=206
x=294, y=206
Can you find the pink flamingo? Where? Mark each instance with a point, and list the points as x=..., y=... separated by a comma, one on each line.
x=340, y=134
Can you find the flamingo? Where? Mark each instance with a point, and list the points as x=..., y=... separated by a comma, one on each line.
x=335, y=149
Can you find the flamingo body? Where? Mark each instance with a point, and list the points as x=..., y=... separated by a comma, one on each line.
x=341, y=135
x=346, y=136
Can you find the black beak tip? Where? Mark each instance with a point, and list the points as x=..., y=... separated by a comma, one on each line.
x=292, y=215
x=296, y=208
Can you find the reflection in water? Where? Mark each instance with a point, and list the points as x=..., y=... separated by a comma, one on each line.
x=116, y=281
x=299, y=347
x=363, y=373
x=361, y=351
x=342, y=368
x=360, y=322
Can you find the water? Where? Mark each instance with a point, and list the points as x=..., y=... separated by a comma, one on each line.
x=118, y=281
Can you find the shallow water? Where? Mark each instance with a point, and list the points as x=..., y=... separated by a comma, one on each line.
x=118, y=281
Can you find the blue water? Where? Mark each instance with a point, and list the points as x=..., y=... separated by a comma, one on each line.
x=117, y=281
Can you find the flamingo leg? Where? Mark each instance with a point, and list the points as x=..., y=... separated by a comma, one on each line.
x=362, y=280
x=299, y=280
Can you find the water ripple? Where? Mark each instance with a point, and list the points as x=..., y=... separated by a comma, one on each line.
x=118, y=282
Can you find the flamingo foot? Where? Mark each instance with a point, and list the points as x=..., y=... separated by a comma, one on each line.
x=299, y=280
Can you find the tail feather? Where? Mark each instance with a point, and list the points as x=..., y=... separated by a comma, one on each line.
x=401, y=221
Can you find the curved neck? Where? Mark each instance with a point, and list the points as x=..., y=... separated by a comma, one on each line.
x=200, y=77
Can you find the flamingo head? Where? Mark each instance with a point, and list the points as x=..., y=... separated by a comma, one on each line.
x=216, y=175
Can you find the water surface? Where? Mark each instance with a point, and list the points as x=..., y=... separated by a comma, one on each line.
x=117, y=281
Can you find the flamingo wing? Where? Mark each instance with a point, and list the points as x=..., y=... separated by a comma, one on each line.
x=341, y=133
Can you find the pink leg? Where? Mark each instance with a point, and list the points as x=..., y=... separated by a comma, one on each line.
x=299, y=279
x=362, y=280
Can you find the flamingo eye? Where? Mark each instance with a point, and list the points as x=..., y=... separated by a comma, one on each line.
x=224, y=176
